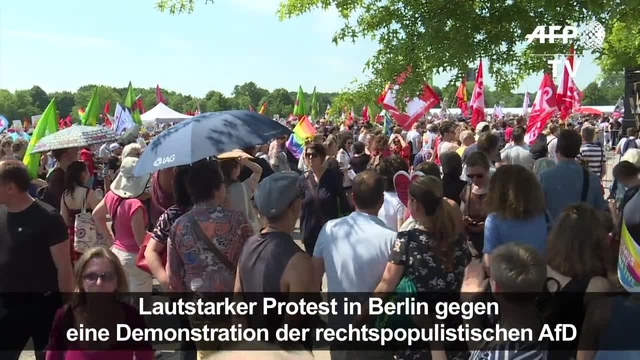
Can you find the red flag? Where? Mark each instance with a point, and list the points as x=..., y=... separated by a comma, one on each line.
x=107, y=107
x=365, y=114
x=477, y=99
x=26, y=124
x=415, y=108
x=461, y=95
x=565, y=95
x=159, y=97
x=544, y=106
x=139, y=105
x=350, y=118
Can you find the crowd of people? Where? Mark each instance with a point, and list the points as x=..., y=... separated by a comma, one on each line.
x=487, y=212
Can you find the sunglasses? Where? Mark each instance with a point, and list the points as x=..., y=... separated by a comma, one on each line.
x=475, y=176
x=94, y=277
x=311, y=155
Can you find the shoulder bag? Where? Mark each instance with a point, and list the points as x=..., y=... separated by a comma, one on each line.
x=205, y=239
x=86, y=234
x=406, y=288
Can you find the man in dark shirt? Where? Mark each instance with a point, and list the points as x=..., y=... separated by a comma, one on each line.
x=246, y=173
x=35, y=263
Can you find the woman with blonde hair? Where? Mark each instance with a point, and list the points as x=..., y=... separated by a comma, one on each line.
x=132, y=150
x=99, y=280
x=433, y=255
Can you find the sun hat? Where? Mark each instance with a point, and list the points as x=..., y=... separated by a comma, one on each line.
x=126, y=185
x=276, y=193
x=233, y=154
x=632, y=156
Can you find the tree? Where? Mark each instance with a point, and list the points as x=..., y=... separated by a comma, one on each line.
x=622, y=46
x=443, y=35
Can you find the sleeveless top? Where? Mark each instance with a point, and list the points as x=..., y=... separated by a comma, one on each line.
x=568, y=308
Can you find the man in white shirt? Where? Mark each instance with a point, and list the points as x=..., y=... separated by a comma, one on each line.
x=519, y=153
x=353, y=251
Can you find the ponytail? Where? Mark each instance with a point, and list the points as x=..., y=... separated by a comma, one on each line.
x=446, y=232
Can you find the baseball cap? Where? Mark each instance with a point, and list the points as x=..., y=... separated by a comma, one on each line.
x=276, y=192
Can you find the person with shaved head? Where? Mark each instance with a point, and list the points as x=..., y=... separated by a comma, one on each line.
x=35, y=264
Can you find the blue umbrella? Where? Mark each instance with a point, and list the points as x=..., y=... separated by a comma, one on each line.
x=207, y=135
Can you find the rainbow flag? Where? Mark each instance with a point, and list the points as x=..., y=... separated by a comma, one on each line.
x=301, y=132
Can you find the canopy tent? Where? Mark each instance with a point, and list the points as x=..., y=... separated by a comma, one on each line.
x=161, y=113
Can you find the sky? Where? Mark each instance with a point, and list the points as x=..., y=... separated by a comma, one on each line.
x=62, y=45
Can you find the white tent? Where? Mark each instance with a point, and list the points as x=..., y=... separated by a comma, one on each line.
x=161, y=113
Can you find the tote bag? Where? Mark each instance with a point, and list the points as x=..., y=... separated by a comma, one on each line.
x=86, y=234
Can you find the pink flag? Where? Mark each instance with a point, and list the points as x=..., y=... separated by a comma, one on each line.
x=565, y=96
x=477, y=99
x=415, y=108
x=159, y=97
x=544, y=106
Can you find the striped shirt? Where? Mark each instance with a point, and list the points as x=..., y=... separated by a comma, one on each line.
x=593, y=155
x=511, y=351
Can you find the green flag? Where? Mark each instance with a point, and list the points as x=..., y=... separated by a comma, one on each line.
x=92, y=111
x=47, y=125
x=130, y=103
x=298, y=109
x=314, y=106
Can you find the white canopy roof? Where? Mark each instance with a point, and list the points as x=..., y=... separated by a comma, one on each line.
x=161, y=113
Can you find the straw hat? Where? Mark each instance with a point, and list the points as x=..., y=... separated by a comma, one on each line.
x=126, y=185
x=234, y=154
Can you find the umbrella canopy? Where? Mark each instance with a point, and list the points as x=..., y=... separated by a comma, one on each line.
x=76, y=136
x=589, y=110
x=207, y=135
x=19, y=136
x=161, y=113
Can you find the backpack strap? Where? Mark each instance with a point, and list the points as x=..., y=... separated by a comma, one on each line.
x=200, y=234
x=585, y=185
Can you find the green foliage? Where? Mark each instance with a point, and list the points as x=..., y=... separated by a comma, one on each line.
x=25, y=103
x=451, y=36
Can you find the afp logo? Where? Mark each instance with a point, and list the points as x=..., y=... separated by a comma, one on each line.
x=164, y=160
x=591, y=37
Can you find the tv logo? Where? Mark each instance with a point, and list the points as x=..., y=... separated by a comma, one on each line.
x=564, y=63
x=591, y=37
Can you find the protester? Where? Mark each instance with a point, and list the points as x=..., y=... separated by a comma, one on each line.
x=519, y=152
x=393, y=213
x=35, y=266
x=451, y=173
x=473, y=199
x=324, y=195
x=129, y=222
x=515, y=207
x=239, y=194
x=98, y=271
x=56, y=177
x=516, y=270
x=261, y=158
x=77, y=197
x=592, y=154
x=360, y=158
x=568, y=182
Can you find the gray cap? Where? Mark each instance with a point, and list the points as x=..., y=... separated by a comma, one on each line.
x=276, y=192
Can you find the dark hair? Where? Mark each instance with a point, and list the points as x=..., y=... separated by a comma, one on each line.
x=539, y=150
x=553, y=128
x=368, y=189
x=515, y=193
x=73, y=176
x=318, y=149
x=358, y=147
x=428, y=192
x=625, y=169
x=13, y=171
x=445, y=127
x=204, y=178
x=389, y=167
x=569, y=143
x=343, y=138
x=478, y=158
x=577, y=245
x=180, y=191
x=518, y=134
x=227, y=166
x=451, y=164
x=429, y=168
x=487, y=142
x=58, y=153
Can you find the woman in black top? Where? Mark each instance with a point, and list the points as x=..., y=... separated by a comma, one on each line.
x=360, y=159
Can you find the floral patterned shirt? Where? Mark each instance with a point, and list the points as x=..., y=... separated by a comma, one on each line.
x=163, y=227
x=191, y=266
